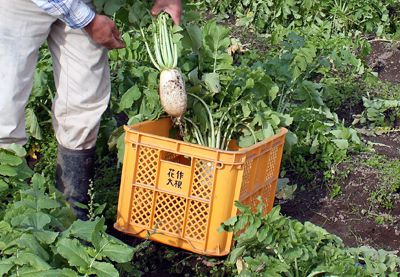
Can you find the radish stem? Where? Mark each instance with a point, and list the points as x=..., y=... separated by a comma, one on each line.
x=212, y=135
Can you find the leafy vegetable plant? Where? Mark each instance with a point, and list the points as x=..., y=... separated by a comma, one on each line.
x=274, y=245
x=38, y=235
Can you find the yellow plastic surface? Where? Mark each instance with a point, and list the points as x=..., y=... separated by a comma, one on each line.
x=180, y=193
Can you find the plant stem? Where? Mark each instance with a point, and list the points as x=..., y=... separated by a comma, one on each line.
x=212, y=135
x=149, y=51
x=251, y=131
x=197, y=132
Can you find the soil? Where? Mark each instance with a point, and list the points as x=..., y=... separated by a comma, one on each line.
x=385, y=60
x=352, y=215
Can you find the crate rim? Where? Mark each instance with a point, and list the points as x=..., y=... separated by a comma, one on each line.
x=133, y=128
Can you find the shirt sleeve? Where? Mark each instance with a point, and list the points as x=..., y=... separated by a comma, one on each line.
x=74, y=13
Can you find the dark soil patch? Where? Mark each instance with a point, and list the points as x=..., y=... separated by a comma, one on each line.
x=158, y=260
x=351, y=216
x=387, y=144
x=385, y=59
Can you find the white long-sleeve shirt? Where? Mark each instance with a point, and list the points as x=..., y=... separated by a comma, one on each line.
x=75, y=13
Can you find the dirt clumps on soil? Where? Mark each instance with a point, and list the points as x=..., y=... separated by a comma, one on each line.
x=387, y=144
x=352, y=215
x=385, y=60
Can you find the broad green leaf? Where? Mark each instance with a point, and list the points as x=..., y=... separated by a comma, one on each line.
x=338, y=134
x=74, y=252
x=194, y=76
x=9, y=158
x=314, y=145
x=212, y=82
x=111, y=7
x=98, y=233
x=246, y=109
x=38, y=181
x=290, y=139
x=274, y=214
x=46, y=237
x=117, y=252
x=8, y=170
x=231, y=221
x=246, y=141
x=102, y=269
x=285, y=120
x=268, y=131
x=196, y=37
x=36, y=220
x=24, y=172
x=138, y=14
x=293, y=254
x=341, y=143
x=4, y=227
x=130, y=96
x=263, y=233
x=3, y=186
x=273, y=92
x=236, y=253
x=303, y=57
x=85, y=229
x=32, y=124
x=18, y=150
x=26, y=258
x=5, y=267
x=99, y=4
x=31, y=244
x=66, y=272
x=47, y=203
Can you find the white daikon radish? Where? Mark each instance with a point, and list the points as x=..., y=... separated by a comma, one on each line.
x=172, y=90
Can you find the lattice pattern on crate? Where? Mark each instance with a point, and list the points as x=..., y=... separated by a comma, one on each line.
x=271, y=163
x=196, y=222
x=169, y=213
x=142, y=200
x=147, y=166
x=203, y=179
x=246, y=176
x=267, y=197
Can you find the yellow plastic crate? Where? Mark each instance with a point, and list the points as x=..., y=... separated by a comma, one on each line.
x=182, y=192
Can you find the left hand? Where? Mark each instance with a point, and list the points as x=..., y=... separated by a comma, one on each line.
x=172, y=7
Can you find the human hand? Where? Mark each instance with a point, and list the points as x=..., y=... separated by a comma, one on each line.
x=103, y=31
x=172, y=7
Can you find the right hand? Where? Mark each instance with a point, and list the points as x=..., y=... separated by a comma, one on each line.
x=103, y=31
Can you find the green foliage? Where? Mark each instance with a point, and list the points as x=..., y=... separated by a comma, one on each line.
x=323, y=140
x=388, y=189
x=14, y=172
x=274, y=245
x=38, y=237
x=379, y=112
x=372, y=16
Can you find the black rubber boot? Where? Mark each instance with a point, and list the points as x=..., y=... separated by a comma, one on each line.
x=75, y=169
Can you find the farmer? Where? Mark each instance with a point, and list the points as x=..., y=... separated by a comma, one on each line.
x=78, y=40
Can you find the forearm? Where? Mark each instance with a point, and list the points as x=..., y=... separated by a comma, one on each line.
x=75, y=13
